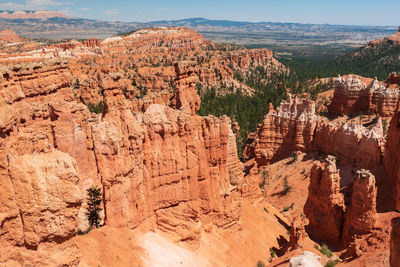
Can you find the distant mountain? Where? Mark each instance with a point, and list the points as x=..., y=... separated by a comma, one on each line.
x=243, y=26
x=31, y=14
x=56, y=25
x=377, y=58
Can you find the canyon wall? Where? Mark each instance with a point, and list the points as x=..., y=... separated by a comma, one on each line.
x=331, y=220
x=395, y=243
x=392, y=156
x=164, y=168
x=325, y=203
x=355, y=94
x=288, y=129
x=296, y=127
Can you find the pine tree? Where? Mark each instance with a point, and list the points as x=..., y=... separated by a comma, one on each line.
x=94, y=209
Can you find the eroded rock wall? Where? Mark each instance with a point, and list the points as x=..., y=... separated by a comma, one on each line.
x=355, y=94
x=325, y=206
x=392, y=156
x=167, y=168
x=296, y=127
x=331, y=220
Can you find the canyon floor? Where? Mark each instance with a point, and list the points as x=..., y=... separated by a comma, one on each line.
x=316, y=182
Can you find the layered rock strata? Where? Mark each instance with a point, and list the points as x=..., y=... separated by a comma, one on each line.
x=395, y=243
x=325, y=206
x=361, y=215
x=392, y=156
x=354, y=94
x=296, y=127
x=165, y=167
x=330, y=219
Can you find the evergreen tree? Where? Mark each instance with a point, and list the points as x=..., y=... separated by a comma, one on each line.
x=94, y=209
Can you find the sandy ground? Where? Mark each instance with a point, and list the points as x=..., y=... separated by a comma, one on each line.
x=259, y=231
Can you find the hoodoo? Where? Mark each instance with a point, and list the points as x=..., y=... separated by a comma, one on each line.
x=159, y=147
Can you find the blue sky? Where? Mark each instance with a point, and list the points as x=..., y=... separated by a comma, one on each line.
x=348, y=12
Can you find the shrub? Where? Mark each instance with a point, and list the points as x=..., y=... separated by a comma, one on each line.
x=286, y=187
x=385, y=126
x=80, y=232
x=272, y=253
x=331, y=263
x=93, y=209
x=264, y=177
x=285, y=209
x=260, y=264
x=324, y=250
x=96, y=108
x=294, y=156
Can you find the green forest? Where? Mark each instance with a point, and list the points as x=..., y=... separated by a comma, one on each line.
x=378, y=61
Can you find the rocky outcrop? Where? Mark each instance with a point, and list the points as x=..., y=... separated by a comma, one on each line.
x=307, y=259
x=298, y=233
x=21, y=81
x=330, y=219
x=354, y=144
x=288, y=129
x=325, y=205
x=164, y=168
x=92, y=43
x=296, y=127
x=148, y=56
x=395, y=243
x=8, y=36
x=185, y=91
x=394, y=78
x=392, y=157
x=355, y=94
x=361, y=215
x=42, y=200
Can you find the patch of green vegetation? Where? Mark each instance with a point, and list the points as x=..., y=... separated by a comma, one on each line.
x=248, y=111
x=295, y=156
x=96, y=108
x=324, y=250
x=286, y=209
x=260, y=264
x=286, y=187
x=93, y=210
x=264, y=178
x=272, y=253
x=332, y=263
x=306, y=64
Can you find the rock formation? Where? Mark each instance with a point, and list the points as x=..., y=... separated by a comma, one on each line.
x=354, y=144
x=8, y=36
x=185, y=92
x=392, y=157
x=360, y=217
x=296, y=127
x=330, y=220
x=395, y=243
x=307, y=259
x=288, y=129
x=325, y=203
x=394, y=78
x=165, y=168
x=355, y=94
x=297, y=233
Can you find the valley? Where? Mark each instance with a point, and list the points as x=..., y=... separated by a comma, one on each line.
x=192, y=143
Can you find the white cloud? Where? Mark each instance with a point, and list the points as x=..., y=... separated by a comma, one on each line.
x=161, y=9
x=32, y=5
x=111, y=11
x=85, y=8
